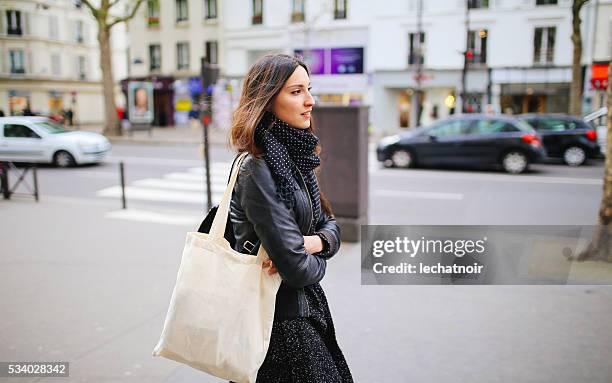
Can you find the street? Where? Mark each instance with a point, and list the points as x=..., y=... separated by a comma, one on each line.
x=85, y=282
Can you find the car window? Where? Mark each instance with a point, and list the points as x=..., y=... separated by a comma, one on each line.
x=19, y=131
x=556, y=125
x=448, y=128
x=492, y=126
x=51, y=127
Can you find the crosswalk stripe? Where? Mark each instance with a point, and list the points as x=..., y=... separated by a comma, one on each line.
x=140, y=193
x=190, y=177
x=155, y=217
x=177, y=185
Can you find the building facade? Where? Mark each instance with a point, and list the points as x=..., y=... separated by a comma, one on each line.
x=518, y=55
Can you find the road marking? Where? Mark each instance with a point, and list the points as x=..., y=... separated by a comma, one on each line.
x=491, y=177
x=139, y=193
x=102, y=175
x=178, y=185
x=153, y=161
x=419, y=195
x=190, y=177
x=155, y=217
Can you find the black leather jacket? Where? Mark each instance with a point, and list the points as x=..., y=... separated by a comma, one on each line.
x=257, y=214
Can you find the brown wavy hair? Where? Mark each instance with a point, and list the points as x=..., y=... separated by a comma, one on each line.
x=262, y=84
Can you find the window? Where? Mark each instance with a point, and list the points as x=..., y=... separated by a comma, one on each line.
x=79, y=31
x=491, y=126
x=257, y=12
x=211, y=52
x=475, y=4
x=56, y=68
x=82, y=67
x=297, y=11
x=14, y=23
x=449, y=128
x=339, y=9
x=210, y=9
x=417, y=48
x=19, y=131
x=182, y=13
x=546, y=2
x=154, y=57
x=17, y=61
x=53, y=27
x=477, y=47
x=551, y=125
x=153, y=13
x=544, y=45
x=182, y=56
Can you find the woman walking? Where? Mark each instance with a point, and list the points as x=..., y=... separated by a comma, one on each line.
x=277, y=204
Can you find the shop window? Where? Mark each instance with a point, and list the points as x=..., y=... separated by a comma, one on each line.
x=475, y=4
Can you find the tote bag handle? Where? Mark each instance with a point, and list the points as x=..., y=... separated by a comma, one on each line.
x=217, y=229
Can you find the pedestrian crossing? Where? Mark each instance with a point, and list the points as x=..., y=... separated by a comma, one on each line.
x=186, y=188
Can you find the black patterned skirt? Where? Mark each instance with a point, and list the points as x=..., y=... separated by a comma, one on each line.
x=305, y=350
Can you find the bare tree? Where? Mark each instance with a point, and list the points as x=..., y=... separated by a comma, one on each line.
x=576, y=86
x=600, y=247
x=106, y=21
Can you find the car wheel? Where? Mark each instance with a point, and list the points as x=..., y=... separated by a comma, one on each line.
x=63, y=159
x=515, y=162
x=574, y=156
x=402, y=158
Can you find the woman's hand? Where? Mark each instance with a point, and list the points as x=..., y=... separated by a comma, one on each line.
x=313, y=244
x=268, y=263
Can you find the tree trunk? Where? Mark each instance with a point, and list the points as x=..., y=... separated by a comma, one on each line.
x=576, y=86
x=601, y=246
x=111, y=127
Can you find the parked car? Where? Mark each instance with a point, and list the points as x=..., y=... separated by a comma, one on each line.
x=566, y=137
x=39, y=139
x=468, y=140
x=598, y=120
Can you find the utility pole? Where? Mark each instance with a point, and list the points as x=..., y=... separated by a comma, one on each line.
x=463, y=95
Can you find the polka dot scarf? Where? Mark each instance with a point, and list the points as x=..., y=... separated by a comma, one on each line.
x=287, y=149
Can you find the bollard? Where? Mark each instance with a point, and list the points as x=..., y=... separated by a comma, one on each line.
x=121, y=172
x=4, y=184
x=35, y=175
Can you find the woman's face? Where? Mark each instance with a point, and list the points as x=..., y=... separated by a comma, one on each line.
x=294, y=102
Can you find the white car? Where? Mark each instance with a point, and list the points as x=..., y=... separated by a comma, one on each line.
x=38, y=139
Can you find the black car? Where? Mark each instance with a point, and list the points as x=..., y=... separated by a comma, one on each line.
x=565, y=137
x=467, y=140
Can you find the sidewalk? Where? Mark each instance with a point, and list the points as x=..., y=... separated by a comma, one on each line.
x=167, y=135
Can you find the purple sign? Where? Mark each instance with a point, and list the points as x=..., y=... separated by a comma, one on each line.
x=346, y=60
x=314, y=58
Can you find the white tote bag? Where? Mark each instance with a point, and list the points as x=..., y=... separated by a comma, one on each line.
x=222, y=307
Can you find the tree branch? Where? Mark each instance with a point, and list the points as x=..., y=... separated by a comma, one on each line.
x=94, y=11
x=128, y=17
